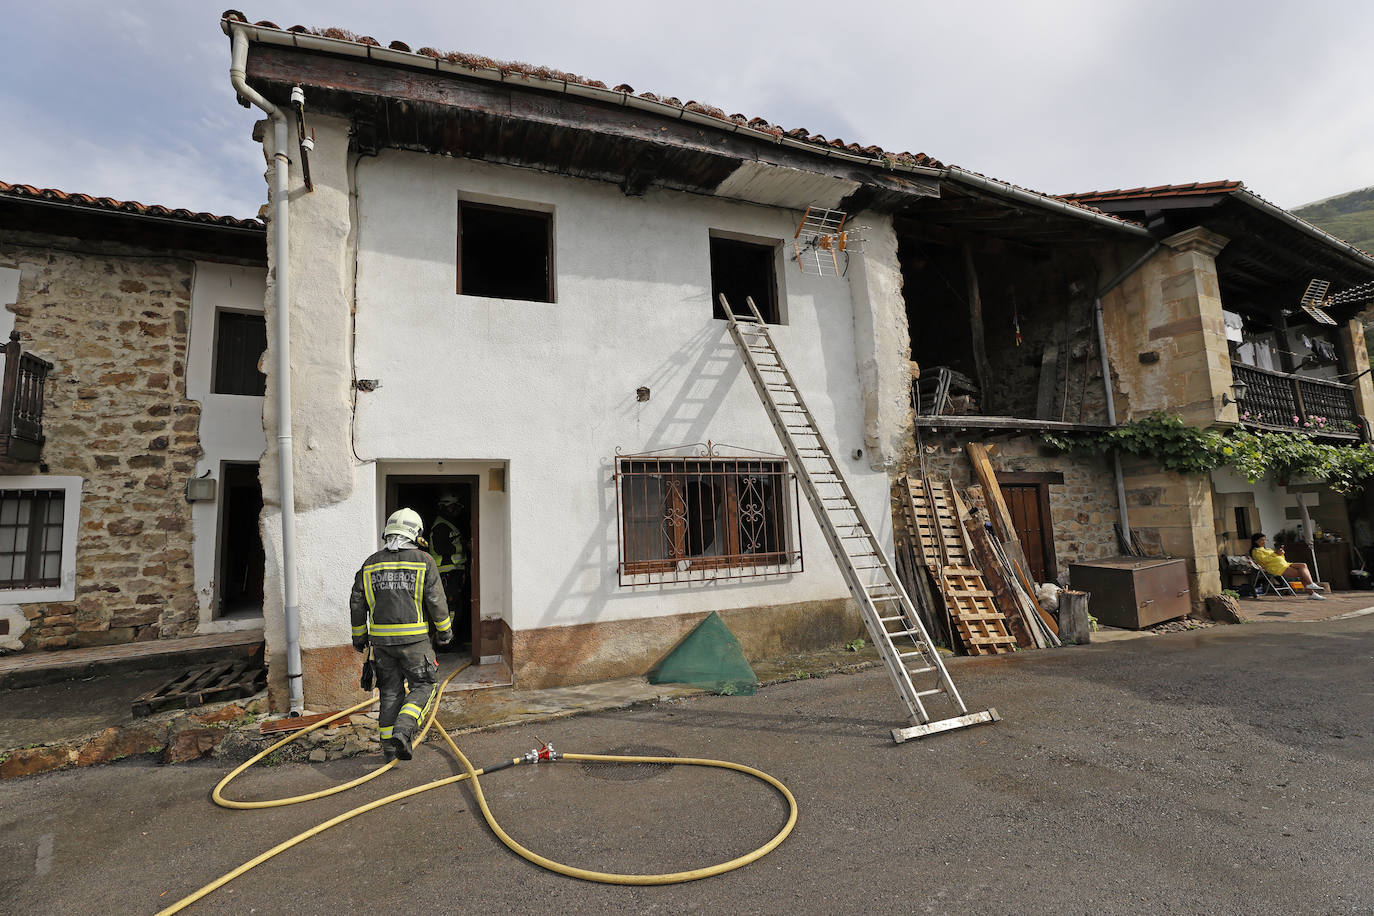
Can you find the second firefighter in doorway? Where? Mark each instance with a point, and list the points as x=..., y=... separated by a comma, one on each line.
x=396, y=596
x=446, y=546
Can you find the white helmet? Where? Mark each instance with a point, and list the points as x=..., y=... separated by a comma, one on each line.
x=405, y=522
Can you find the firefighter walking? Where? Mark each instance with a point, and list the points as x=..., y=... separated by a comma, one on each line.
x=396, y=595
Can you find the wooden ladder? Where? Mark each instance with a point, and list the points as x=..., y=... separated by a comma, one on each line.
x=936, y=509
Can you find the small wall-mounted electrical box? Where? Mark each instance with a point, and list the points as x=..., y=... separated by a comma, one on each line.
x=200, y=490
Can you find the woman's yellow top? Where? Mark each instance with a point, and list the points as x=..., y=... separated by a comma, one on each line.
x=1272, y=563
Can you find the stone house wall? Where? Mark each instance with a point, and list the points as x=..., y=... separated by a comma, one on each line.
x=114, y=322
x=1082, y=508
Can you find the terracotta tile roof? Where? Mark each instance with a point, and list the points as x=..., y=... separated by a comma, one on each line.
x=480, y=64
x=699, y=112
x=1196, y=189
x=29, y=192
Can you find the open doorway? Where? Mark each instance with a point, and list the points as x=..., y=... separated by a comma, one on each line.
x=241, y=556
x=447, y=503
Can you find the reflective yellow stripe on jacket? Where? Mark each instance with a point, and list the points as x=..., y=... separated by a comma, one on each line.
x=417, y=627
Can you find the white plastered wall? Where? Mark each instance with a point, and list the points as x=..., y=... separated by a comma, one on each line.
x=549, y=388
x=230, y=425
x=1272, y=501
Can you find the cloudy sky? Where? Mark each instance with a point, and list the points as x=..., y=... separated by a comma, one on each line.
x=133, y=100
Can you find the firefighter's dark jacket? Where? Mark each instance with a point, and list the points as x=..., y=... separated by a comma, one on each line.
x=394, y=593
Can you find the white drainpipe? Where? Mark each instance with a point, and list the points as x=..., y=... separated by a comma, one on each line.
x=281, y=261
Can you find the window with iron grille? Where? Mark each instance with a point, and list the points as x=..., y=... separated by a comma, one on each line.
x=31, y=538
x=694, y=519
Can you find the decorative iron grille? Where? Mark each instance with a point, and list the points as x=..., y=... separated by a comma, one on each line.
x=693, y=519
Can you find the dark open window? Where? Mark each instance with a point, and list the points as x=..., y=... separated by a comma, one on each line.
x=740, y=270
x=240, y=340
x=1243, y=522
x=31, y=538
x=505, y=253
x=706, y=518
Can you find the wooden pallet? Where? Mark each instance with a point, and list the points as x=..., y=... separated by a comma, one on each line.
x=204, y=684
x=943, y=544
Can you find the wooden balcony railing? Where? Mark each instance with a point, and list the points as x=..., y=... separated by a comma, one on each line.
x=21, y=402
x=1281, y=401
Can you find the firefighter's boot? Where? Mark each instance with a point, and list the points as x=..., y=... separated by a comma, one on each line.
x=401, y=743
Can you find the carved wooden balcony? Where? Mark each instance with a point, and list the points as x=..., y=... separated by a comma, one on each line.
x=21, y=402
x=1277, y=400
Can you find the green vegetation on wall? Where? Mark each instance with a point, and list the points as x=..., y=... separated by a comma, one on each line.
x=1254, y=455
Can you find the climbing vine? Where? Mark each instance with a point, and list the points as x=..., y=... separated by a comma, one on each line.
x=1177, y=446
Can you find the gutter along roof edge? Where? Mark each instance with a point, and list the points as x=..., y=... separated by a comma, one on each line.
x=1297, y=222
x=308, y=42
x=109, y=206
x=268, y=34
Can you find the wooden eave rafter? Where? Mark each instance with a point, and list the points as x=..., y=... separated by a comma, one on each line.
x=506, y=122
x=962, y=214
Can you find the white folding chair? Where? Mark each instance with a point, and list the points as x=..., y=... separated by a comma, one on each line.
x=1276, y=584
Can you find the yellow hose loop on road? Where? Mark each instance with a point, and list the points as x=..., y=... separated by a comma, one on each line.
x=218, y=794
x=473, y=774
x=676, y=877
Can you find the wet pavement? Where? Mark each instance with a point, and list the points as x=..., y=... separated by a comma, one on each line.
x=1220, y=770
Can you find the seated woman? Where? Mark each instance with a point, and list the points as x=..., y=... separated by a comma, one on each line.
x=1276, y=564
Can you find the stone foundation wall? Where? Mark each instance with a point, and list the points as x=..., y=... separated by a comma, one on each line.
x=559, y=656
x=114, y=324
x=1082, y=508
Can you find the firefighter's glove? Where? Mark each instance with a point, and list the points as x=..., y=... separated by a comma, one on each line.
x=445, y=637
x=360, y=642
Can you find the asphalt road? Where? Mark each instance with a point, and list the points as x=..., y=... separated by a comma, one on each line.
x=1228, y=770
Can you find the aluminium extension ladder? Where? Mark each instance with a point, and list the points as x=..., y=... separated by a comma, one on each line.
x=910, y=657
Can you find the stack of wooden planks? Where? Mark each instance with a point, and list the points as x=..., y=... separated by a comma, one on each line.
x=933, y=536
x=1005, y=560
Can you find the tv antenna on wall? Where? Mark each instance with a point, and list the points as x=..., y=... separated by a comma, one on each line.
x=1314, y=302
x=822, y=244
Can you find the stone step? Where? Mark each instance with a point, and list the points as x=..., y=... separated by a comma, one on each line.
x=33, y=669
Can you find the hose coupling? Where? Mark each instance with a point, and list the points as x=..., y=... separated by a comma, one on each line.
x=544, y=753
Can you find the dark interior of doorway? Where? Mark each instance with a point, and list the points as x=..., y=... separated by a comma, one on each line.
x=241, y=559
x=422, y=493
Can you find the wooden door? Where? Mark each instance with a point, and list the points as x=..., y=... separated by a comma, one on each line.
x=1029, y=505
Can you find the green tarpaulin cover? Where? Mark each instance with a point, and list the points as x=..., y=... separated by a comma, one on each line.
x=709, y=657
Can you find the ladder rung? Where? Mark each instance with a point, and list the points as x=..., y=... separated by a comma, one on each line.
x=930, y=693
x=990, y=640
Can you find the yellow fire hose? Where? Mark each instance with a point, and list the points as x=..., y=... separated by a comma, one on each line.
x=473, y=774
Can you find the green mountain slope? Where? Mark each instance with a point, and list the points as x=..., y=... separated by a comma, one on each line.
x=1349, y=216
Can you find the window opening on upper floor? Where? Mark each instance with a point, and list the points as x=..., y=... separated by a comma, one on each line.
x=744, y=269
x=505, y=253
x=240, y=341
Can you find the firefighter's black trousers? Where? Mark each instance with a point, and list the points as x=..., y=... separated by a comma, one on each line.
x=405, y=680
